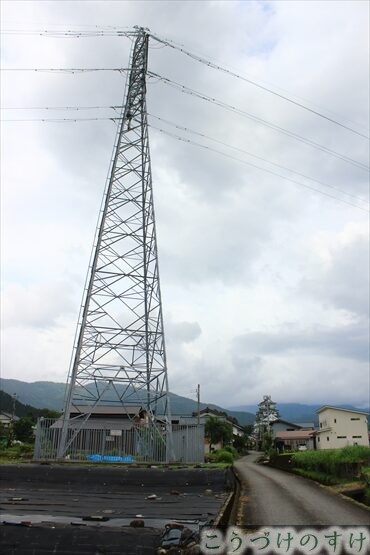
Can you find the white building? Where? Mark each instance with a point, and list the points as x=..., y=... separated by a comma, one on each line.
x=6, y=419
x=341, y=427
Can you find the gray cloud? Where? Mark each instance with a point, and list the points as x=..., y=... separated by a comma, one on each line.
x=344, y=282
x=350, y=341
x=239, y=249
x=37, y=306
x=183, y=332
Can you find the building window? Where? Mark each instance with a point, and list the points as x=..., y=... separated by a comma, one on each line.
x=335, y=420
x=355, y=419
x=320, y=424
x=327, y=438
x=318, y=439
x=341, y=437
x=356, y=437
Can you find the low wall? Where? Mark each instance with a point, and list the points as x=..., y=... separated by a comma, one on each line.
x=97, y=477
x=284, y=462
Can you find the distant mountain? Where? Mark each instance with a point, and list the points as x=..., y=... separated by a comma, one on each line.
x=8, y=405
x=51, y=395
x=48, y=395
x=294, y=412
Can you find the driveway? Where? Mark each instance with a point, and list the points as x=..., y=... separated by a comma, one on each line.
x=274, y=497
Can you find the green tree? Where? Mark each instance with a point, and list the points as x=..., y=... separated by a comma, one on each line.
x=23, y=429
x=217, y=430
x=248, y=429
x=267, y=441
x=240, y=443
x=48, y=413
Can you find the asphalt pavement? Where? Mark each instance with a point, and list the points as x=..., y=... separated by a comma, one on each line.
x=272, y=497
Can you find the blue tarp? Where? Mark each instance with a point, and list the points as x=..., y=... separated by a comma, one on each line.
x=110, y=458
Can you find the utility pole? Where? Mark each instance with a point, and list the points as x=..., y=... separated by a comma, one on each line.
x=119, y=353
x=11, y=424
x=13, y=411
x=198, y=402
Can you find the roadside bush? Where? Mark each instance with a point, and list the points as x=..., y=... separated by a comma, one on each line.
x=15, y=452
x=26, y=449
x=272, y=453
x=23, y=429
x=210, y=457
x=224, y=456
x=365, y=475
x=367, y=496
x=318, y=476
x=231, y=450
x=346, y=462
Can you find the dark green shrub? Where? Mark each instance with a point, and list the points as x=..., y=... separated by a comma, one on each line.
x=367, y=496
x=224, y=456
x=231, y=450
x=344, y=462
x=210, y=457
x=26, y=449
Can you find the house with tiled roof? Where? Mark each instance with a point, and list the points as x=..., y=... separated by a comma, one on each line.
x=295, y=440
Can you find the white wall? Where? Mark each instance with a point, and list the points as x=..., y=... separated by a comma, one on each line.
x=339, y=428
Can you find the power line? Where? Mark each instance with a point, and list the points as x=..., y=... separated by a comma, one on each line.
x=186, y=129
x=116, y=31
x=56, y=120
x=188, y=141
x=229, y=107
x=207, y=98
x=65, y=69
x=70, y=33
x=60, y=108
x=213, y=65
x=177, y=126
x=279, y=88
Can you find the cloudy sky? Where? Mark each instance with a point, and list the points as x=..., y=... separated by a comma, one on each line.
x=264, y=281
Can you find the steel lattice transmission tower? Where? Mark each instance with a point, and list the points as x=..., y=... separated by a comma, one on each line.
x=119, y=353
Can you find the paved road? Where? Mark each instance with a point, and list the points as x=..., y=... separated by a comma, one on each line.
x=274, y=497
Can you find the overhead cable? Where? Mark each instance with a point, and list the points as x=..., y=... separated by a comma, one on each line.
x=60, y=108
x=65, y=69
x=207, y=137
x=56, y=120
x=70, y=33
x=189, y=141
x=180, y=127
x=177, y=126
x=229, y=107
x=213, y=65
x=206, y=147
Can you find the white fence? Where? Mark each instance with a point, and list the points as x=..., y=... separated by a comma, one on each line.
x=128, y=444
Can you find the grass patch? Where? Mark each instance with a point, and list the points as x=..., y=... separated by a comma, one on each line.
x=16, y=453
x=318, y=476
x=338, y=463
x=365, y=473
x=226, y=456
